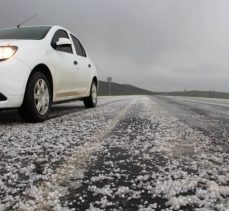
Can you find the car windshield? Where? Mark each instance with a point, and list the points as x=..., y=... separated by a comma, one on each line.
x=25, y=33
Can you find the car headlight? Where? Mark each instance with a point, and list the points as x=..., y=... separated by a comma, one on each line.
x=7, y=52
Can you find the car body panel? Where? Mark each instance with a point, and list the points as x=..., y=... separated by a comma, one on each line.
x=14, y=74
x=13, y=83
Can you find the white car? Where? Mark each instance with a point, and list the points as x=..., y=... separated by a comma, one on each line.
x=42, y=65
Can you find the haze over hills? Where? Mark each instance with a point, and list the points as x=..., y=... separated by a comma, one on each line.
x=126, y=89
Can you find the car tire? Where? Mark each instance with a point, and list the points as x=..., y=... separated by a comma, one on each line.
x=37, y=99
x=91, y=100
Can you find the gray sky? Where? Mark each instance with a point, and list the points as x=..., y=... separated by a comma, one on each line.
x=161, y=45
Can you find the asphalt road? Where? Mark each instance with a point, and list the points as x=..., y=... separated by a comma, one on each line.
x=129, y=153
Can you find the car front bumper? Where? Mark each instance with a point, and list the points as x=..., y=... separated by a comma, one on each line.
x=13, y=79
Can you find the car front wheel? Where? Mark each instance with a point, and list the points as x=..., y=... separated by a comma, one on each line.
x=91, y=100
x=37, y=99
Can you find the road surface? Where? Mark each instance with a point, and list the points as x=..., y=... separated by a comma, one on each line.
x=129, y=153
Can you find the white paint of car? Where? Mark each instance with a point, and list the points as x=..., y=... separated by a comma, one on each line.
x=70, y=81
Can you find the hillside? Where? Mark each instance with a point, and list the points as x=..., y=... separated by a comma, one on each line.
x=195, y=93
x=121, y=89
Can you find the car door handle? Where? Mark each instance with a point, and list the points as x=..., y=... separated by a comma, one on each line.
x=89, y=65
x=75, y=62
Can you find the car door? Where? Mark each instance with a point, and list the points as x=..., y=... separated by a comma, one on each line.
x=64, y=64
x=83, y=66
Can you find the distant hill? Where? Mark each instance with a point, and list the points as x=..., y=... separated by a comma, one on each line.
x=196, y=93
x=125, y=89
x=121, y=89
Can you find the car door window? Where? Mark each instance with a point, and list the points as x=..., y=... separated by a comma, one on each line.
x=79, y=48
x=61, y=34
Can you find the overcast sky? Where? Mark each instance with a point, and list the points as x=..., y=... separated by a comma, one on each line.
x=161, y=45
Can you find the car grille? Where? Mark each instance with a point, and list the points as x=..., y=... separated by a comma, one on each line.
x=2, y=97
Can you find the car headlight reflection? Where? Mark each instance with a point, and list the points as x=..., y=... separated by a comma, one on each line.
x=7, y=52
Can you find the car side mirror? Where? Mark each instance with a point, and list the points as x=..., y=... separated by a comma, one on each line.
x=63, y=42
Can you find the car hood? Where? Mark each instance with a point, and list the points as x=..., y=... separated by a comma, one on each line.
x=29, y=51
x=17, y=42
